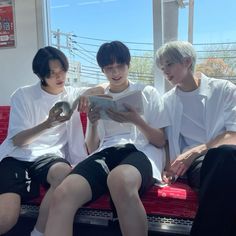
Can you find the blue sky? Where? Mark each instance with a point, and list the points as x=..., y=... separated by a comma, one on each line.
x=106, y=19
x=214, y=21
x=131, y=21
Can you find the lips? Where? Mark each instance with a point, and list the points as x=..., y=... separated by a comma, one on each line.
x=61, y=83
x=118, y=78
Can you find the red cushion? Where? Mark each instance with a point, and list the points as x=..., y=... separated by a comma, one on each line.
x=177, y=200
x=4, y=120
x=83, y=117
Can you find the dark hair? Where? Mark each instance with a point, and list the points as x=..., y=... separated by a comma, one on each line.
x=41, y=60
x=112, y=52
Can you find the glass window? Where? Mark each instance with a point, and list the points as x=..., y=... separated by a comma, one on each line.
x=80, y=27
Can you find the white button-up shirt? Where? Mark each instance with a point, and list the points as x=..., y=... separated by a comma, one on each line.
x=219, y=98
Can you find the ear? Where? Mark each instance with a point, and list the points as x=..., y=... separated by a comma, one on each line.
x=187, y=62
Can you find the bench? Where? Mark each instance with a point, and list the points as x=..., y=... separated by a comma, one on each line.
x=169, y=209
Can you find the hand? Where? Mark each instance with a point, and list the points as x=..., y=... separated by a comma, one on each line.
x=93, y=114
x=169, y=177
x=181, y=164
x=82, y=102
x=55, y=117
x=129, y=116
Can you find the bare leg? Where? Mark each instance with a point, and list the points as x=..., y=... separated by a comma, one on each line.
x=70, y=195
x=124, y=182
x=55, y=176
x=9, y=211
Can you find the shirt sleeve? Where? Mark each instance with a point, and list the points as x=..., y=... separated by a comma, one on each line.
x=230, y=107
x=157, y=115
x=78, y=91
x=19, y=114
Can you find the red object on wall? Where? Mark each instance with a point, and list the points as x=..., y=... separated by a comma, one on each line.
x=7, y=24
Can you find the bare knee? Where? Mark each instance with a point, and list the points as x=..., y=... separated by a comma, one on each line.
x=9, y=211
x=123, y=183
x=57, y=173
x=60, y=196
x=71, y=194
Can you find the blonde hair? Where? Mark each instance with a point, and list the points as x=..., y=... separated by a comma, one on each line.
x=176, y=52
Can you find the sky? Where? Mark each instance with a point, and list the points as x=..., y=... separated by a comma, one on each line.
x=131, y=21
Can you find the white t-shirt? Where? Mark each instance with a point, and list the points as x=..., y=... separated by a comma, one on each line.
x=192, y=129
x=112, y=133
x=115, y=132
x=30, y=106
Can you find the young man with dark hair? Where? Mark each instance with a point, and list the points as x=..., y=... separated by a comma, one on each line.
x=126, y=153
x=34, y=151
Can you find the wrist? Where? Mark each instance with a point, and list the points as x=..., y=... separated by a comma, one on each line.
x=93, y=125
x=203, y=149
x=46, y=125
x=198, y=151
x=139, y=122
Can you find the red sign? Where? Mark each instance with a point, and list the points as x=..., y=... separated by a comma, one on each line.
x=7, y=26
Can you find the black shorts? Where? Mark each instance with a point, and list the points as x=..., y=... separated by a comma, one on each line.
x=96, y=168
x=24, y=178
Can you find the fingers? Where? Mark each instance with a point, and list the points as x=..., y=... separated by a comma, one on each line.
x=93, y=114
x=169, y=177
x=178, y=168
x=83, y=104
x=56, y=116
x=55, y=111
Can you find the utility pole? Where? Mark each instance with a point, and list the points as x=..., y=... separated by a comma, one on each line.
x=190, y=4
x=190, y=20
x=64, y=41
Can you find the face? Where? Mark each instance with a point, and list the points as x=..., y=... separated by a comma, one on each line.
x=175, y=73
x=56, y=79
x=117, y=74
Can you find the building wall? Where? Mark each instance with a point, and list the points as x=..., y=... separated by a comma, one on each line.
x=15, y=63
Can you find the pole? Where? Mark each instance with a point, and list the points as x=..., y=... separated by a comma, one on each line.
x=190, y=21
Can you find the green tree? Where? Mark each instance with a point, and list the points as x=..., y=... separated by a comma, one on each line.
x=141, y=68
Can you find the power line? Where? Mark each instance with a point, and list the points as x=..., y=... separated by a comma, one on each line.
x=105, y=40
x=91, y=71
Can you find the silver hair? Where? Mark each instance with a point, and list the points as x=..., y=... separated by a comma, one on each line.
x=176, y=52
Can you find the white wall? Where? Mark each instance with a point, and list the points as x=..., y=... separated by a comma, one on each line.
x=16, y=63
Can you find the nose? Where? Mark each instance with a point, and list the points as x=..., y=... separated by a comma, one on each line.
x=165, y=70
x=59, y=74
x=115, y=70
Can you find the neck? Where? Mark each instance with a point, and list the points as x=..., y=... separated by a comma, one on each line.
x=51, y=91
x=119, y=88
x=190, y=84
